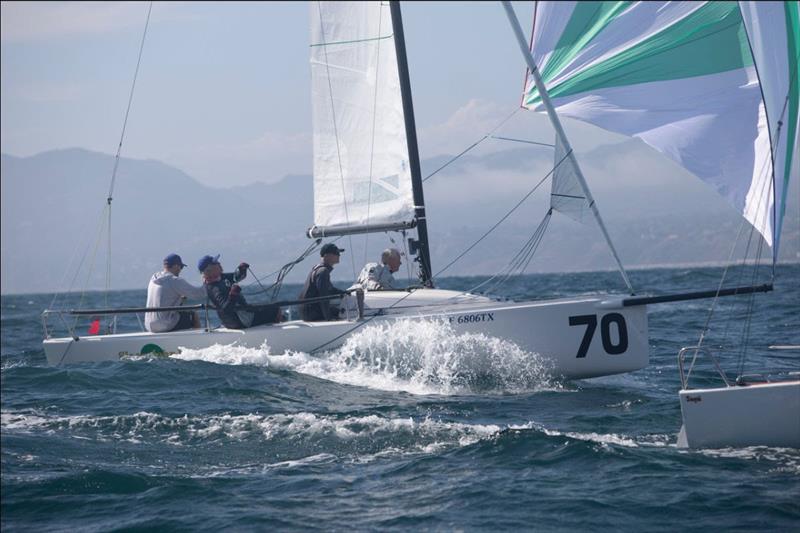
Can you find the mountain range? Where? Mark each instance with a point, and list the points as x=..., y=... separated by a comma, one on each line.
x=54, y=209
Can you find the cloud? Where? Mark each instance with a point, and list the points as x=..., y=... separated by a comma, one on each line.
x=41, y=21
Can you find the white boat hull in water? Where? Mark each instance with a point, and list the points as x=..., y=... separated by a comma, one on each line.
x=763, y=414
x=575, y=338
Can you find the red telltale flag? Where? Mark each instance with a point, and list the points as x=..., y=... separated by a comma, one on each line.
x=94, y=326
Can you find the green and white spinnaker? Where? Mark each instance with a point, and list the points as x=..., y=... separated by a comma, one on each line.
x=712, y=85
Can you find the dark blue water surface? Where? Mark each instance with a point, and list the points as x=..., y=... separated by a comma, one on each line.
x=413, y=428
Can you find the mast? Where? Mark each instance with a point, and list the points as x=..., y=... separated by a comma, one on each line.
x=423, y=250
x=562, y=136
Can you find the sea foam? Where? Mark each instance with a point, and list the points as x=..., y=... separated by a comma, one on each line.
x=414, y=356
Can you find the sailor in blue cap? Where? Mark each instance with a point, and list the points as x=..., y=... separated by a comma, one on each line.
x=224, y=292
x=166, y=289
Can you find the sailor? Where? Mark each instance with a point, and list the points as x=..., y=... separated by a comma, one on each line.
x=166, y=289
x=319, y=284
x=378, y=277
x=226, y=295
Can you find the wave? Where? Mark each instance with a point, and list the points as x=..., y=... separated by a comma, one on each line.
x=373, y=435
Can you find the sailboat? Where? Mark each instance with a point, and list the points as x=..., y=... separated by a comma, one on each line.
x=714, y=86
x=367, y=179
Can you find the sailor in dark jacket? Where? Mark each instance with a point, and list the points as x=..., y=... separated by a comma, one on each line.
x=225, y=294
x=319, y=284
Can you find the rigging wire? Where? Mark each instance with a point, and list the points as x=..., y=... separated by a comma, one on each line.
x=91, y=269
x=745, y=333
x=751, y=233
x=519, y=263
x=525, y=141
x=110, y=197
x=80, y=263
x=728, y=264
x=106, y=212
x=745, y=337
x=490, y=230
x=405, y=254
x=473, y=145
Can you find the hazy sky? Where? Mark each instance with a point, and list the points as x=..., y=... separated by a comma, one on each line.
x=223, y=90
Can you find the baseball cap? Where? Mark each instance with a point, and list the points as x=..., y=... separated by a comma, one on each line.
x=206, y=260
x=173, y=259
x=330, y=248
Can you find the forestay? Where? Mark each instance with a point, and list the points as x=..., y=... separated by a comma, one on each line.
x=361, y=163
x=682, y=77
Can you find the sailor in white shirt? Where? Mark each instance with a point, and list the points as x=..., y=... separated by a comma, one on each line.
x=377, y=277
x=166, y=289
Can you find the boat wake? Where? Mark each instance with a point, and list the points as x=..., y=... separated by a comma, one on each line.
x=226, y=354
x=418, y=357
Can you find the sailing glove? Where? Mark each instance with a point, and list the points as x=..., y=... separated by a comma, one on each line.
x=235, y=290
x=243, y=268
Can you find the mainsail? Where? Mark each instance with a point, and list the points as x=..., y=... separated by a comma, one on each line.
x=712, y=85
x=362, y=175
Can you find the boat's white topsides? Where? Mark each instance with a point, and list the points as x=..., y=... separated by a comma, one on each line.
x=575, y=337
x=759, y=414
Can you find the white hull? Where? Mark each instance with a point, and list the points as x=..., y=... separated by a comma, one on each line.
x=599, y=342
x=765, y=414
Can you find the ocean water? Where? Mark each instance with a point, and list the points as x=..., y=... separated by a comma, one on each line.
x=403, y=429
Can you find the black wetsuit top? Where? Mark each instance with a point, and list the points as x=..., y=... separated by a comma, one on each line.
x=219, y=295
x=319, y=284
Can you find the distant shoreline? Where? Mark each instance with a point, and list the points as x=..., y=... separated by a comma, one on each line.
x=710, y=264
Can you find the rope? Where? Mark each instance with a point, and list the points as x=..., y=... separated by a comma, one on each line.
x=256, y=279
x=283, y=272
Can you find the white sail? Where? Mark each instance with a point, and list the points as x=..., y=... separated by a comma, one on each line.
x=361, y=164
x=680, y=76
x=773, y=30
